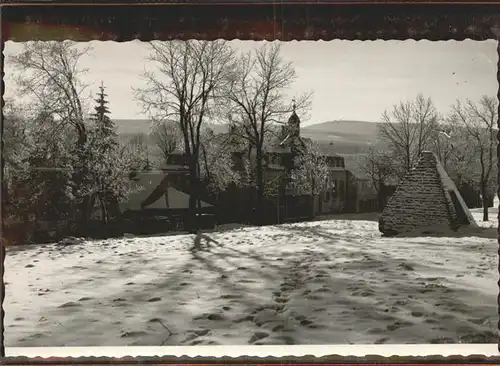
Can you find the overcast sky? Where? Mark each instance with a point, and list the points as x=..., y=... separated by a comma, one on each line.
x=351, y=80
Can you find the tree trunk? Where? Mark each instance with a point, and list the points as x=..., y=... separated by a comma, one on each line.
x=104, y=212
x=193, y=197
x=113, y=212
x=380, y=203
x=313, y=201
x=313, y=196
x=484, y=200
x=260, y=184
x=381, y=197
x=485, y=208
x=198, y=196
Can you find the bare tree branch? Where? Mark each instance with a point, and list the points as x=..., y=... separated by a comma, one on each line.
x=479, y=120
x=409, y=130
x=257, y=99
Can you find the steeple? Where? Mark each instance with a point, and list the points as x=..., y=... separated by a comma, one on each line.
x=294, y=121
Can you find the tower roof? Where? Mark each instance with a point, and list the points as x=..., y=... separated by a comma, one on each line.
x=294, y=119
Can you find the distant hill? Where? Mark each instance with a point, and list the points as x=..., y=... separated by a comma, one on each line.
x=132, y=126
x=135, y=126
x=352, y=127
x=345, y=137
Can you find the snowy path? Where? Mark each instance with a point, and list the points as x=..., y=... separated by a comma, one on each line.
x=321, y=282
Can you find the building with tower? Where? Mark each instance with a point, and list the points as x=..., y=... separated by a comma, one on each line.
x=279, y=161
x=168, y=191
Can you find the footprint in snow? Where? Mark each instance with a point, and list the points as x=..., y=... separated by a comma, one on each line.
x=246, y=281
x=382, y=340
x=133, y=334
x=85, y=298
x=258, y=336
x=323, y=289
x=278, y=328
x=154, y=299
x=201, y=332
x=69, y=304
x=248, y=318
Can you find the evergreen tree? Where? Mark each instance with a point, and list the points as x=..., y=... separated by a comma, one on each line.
x=104, y=147
x=105, y=127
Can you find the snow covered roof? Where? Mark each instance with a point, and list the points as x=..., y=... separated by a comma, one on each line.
x=142, y=186
x=152, y=187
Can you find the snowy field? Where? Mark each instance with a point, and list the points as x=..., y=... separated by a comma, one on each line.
x=332, y=281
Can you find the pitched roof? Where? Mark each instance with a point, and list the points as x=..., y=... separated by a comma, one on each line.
x=150, y=188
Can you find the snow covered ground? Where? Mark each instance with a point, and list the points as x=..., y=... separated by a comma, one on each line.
x=332, y=281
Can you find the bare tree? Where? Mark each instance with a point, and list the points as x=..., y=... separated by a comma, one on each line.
x=257, y=100
x=166, y=135
x=479, y=121
x=136, y=146
x=379, y=168
x=216, y=164
x=14, y=137
x=49, y=74
x=185, y=87
x=41, y=171
x=312, y=174
x=451, y=143
x=409, y=129
x=443, y=143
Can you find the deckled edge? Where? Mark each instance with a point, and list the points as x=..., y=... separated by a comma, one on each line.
x=306, y=359
x=2, y=241
x=489, y=25
x=257, y=22
x=497, y=34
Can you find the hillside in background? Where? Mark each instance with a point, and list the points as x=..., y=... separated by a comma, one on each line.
x=132, y=126
x=345, y=137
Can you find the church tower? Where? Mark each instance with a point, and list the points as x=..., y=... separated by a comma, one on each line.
x=294, y=123
x=292, y=138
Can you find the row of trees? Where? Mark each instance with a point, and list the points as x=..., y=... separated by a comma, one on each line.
x=62, y=157
x=196, y=82
x=464, y=139
x=188, y=85
x=52, y=171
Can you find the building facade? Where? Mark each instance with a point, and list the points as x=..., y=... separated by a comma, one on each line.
x=280, y=161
